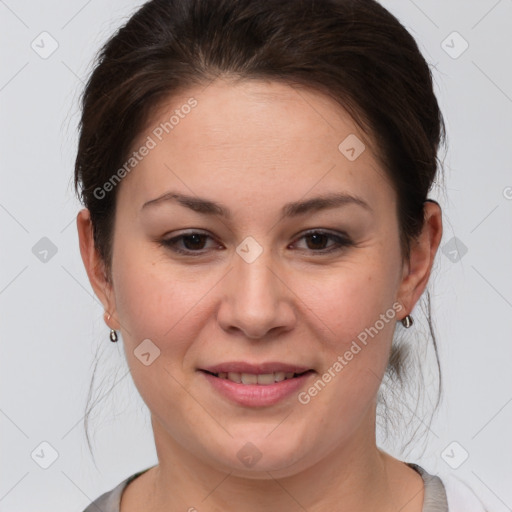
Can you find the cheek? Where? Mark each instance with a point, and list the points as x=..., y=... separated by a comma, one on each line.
x=354, y=308
x=151, y=302
x=158, y=305
x=347, y=301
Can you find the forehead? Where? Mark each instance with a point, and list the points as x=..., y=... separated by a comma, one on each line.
x=253, y=140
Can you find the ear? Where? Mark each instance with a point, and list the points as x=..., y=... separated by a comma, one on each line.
x=95, y=268
x=423, y=250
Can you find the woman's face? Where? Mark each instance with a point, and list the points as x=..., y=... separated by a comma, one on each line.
x=282, y=282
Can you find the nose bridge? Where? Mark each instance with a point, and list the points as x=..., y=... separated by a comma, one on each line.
x=256, y=300
x=254, y=279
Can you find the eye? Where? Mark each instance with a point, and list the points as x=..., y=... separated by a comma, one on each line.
x=319, y=238
x=193, y=243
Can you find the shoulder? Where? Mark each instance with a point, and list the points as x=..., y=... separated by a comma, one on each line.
x=110, y=500
x=461, y=497
x=446, y=492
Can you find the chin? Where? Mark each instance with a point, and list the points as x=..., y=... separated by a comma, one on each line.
x=254, y=454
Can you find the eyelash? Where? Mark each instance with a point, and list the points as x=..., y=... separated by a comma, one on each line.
x=342, y=241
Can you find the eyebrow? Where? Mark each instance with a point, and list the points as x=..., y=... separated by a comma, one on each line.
x=293, y=209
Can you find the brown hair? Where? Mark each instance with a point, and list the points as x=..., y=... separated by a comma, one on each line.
x=355, y=51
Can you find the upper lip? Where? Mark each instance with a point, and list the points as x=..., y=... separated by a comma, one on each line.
x=257, y=369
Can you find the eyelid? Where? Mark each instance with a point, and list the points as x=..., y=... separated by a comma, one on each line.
x=342, y=240
x=168, y=242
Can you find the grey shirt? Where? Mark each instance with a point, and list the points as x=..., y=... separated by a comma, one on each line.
x=434, y=501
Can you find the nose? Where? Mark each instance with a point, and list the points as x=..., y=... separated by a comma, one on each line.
x=257, y=301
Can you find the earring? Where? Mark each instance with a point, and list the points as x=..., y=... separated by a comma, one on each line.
x=113, y=333
x=407, y=321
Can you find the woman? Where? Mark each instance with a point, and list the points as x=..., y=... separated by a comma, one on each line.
x=257, y=223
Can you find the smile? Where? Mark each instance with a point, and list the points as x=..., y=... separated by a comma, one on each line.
x=256, y=385
x=262, y=379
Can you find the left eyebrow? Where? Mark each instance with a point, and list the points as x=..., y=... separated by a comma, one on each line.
x=322, y=203
x=293, y=209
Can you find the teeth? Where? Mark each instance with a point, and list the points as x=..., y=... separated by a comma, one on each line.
x=266, y=378
x=279, y=376
x=263, y=379
x=235, y=377
x=249, y=378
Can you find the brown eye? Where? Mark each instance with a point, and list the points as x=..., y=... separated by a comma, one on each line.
x=191, y=243
x=317, y=241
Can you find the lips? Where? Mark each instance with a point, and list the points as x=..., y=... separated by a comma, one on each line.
x=263, y=374
x=255, y=369
x=256, y=385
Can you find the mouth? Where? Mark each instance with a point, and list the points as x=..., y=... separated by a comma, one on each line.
x=256, y=385
x=261, y=379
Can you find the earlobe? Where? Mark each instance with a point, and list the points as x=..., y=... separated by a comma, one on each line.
x=422, y=254
x=94, y=266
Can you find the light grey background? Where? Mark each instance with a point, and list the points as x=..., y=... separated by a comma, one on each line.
x=51, y=325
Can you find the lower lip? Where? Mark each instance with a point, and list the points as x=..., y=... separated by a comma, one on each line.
x=257, y=395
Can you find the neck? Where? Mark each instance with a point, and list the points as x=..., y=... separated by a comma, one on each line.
x=355, y=475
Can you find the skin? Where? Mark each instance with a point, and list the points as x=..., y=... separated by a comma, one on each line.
x=254, y=146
